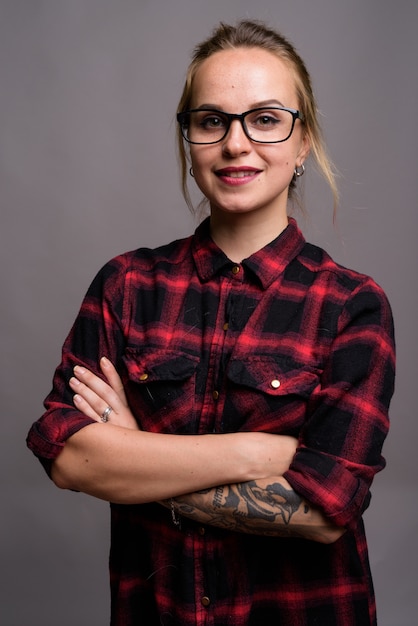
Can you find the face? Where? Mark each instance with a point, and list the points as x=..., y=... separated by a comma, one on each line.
x=238, y=175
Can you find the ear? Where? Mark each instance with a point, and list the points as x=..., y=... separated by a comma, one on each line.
x=305, y=148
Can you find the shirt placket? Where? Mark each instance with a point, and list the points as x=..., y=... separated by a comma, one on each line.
x=210, y=421
x=210, y=418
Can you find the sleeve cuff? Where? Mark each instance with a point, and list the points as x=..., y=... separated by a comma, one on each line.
x=329, y=485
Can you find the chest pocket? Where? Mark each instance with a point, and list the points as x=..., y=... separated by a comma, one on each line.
x=268, y=394
x=160, y=386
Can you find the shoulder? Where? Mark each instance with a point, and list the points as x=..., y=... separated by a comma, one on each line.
x=318, y=262
x=131, y=265
x=146, y=259
x=356, y=295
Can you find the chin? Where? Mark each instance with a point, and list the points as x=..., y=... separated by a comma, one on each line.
x=234, y=210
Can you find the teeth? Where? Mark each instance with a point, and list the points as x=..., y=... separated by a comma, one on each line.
x=241, y=174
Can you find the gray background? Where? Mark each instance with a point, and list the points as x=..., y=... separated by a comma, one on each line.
x=88, y=91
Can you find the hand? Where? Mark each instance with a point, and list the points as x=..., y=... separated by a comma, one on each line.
x=93, y=396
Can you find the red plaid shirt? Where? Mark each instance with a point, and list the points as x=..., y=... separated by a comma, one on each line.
x=196, y=323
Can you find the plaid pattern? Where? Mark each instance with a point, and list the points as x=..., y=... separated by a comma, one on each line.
x=196, y=324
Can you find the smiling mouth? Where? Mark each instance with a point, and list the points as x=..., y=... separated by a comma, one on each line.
x=237, y=173
x=241, y=174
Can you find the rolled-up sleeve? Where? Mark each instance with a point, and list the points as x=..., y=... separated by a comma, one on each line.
x=340, y=447
x=96, y=332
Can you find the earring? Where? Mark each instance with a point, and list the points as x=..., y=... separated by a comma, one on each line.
x=191, y=172
x=299, y=170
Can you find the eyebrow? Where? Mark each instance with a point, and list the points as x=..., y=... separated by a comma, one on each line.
x=255, y=105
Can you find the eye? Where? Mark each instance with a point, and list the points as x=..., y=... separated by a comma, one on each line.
x=211, y=121
x=266, y=120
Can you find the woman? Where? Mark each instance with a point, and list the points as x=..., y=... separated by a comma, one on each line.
x=239, y=432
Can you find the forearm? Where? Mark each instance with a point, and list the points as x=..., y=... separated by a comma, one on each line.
x=267, y=506
x=132, y=467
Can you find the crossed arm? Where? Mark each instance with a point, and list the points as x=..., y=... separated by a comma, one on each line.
x=232, y=481
x=266, y=506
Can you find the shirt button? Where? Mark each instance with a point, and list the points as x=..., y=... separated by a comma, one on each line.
x=275, y=383
x=236, y=269
x=143, y=376
x=205, y=601
x=225, y=326
x=202, y=530
x=215, y=395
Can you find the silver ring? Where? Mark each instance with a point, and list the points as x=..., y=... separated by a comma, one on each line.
x=106, y=413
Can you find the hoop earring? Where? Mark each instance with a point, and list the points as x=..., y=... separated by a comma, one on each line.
x=191, y=172
x=299, y=170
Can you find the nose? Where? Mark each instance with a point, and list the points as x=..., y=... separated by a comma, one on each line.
x=236, y=141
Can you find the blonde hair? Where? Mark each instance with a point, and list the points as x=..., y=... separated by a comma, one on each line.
x=254, y=34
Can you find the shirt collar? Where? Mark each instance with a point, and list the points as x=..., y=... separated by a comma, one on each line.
x=266, y=264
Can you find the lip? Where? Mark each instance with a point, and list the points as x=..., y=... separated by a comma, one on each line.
x=236, y=176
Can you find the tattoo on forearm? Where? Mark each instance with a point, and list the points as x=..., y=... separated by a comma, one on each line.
x=217, y=498
x=247, y=507
x=269, y=503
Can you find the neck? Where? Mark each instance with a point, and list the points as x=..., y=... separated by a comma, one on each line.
x=241, y=235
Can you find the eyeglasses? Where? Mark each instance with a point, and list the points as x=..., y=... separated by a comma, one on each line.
x=262, y=125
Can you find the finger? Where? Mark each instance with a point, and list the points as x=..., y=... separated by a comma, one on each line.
x=92, y=381
x=114, y=396
x=90, y=399
x=99, y=395
x=95, y=390
x=113, y=378
x=84, y=407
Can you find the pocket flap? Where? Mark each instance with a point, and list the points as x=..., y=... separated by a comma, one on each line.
x=272, y=377
x=152, y=365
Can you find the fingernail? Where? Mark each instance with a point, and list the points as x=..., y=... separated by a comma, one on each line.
x=104, y=361
x=74, y=381
x=79, y=369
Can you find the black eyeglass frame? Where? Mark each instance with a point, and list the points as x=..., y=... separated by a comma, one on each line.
x=182, y=117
